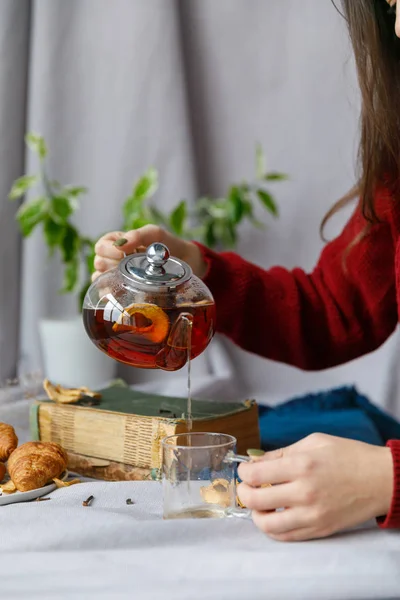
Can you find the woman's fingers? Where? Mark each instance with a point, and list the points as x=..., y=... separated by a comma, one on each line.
x=269, y=498
x=102, y=264
x=114, y=245
x=149, y=234
x=281, y=522
x=95, y=275
x=108, y=253
x=137, y=239
x=262, y=471
x=287, y=464
x=297, y=535
x=290, y=525
x=105, y=245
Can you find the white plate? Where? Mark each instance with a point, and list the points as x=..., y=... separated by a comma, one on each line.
x=31, y=495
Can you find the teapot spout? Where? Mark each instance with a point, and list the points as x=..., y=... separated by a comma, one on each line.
x=177, y=349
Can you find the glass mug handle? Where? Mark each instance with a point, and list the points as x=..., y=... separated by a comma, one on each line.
x=231, y=457
x=237, y=511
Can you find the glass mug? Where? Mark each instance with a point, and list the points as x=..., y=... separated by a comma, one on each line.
x=199, y=476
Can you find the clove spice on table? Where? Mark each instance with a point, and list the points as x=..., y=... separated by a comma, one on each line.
x=88, y=501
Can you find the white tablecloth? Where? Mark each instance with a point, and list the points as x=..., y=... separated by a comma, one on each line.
x=59, y=549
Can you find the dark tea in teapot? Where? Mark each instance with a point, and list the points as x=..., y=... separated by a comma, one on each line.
x=150, y=337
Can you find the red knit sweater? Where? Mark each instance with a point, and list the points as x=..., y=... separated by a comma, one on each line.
x=320, y=319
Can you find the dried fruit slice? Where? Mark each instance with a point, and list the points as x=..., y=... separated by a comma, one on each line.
x=239, y=503
x=62, y=484
x=64, y=395
x=219, y=492
x=147, y=320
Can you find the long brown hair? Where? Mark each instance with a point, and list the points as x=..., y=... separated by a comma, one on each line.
x=377, y=56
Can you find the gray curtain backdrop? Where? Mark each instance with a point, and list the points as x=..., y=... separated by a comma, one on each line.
x=188, y=86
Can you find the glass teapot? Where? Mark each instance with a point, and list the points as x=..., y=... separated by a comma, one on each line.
x=150, y=311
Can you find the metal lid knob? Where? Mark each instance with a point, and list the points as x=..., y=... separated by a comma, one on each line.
x=157, y=254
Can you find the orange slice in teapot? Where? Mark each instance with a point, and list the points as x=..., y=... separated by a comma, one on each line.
x=147, y=320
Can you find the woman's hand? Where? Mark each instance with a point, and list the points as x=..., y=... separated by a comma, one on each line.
x=397, y=4
x=108, y=254
x=325, y=484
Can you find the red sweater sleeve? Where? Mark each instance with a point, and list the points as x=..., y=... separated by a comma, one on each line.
x=312, y=321
x=392, y=519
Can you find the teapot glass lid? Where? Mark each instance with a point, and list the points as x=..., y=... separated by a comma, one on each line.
x=155, y=268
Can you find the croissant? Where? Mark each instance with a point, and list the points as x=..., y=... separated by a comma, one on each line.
x=33, y=464
x=8, y=441
x=2, y=471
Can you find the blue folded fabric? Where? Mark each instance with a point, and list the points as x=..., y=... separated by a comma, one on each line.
x=342, y=412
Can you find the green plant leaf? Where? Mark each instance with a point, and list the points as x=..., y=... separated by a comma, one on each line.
x=219, y=209
x=225, y=233
x=275, y=176
x=202, y=204
x=74, y=192
x=70, y=244
x=249, y=214
x=260, y=162
x=247, y=208
x=131, y=210
x=136, y=222
x=156, y=216
x=61, y=208
x=37, y=144
x=82, y=294
x=147, y=185
x=53, y=233
x=21, y=185
x=210, y=239
x=235, y=197
x=178, y=218
x=230, y=236
x=31, y=214
x=268, y=201
x=90, y=261
x=256, y=223
x=88, y=253
x=195, y=233
x=87, y=242
x=71, y=275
